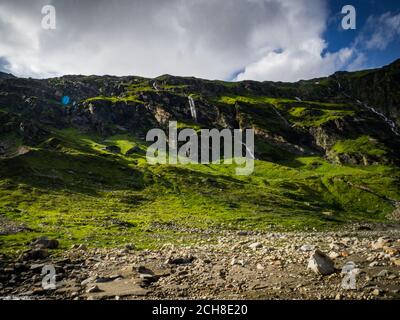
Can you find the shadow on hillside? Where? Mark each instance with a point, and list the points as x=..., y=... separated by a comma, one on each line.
x=79, y=173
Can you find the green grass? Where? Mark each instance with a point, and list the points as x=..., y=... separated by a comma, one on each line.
x=362, y=145
x=124, y=141
x=189, y=125
x=298, y=113
x=312, y=116
x=232, y=99
x=70, y=188
x=131, y=98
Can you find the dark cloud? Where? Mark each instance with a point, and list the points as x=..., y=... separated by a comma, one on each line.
x=4, y=65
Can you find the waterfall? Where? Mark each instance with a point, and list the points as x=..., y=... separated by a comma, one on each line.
x=281, y=116
x=249, y=151
x=155, y=86
x=192, y=108
x=388, y=121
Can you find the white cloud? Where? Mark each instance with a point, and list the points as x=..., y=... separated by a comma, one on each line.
x=210, y=39
x=268, y=39
x=292, y=64
x=381, y=31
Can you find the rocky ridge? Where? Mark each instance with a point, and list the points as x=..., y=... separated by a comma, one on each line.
x=304, y=118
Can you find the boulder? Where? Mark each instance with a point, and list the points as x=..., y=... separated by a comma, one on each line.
x=380, y=243
x=307, y=247
x=180, y=260
x=130, y=246
x=93, y=289
x=143, y=270
x=255, y=246
x=45, y=243
x=333, y=255
x=320, y=263
x=36, y=254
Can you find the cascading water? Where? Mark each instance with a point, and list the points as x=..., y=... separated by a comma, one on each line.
x=281, y=116
x=249, y=151
x=388, y=121
x=192, y=105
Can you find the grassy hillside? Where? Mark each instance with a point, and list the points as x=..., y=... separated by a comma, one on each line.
x=77, y=171
x=69, y=187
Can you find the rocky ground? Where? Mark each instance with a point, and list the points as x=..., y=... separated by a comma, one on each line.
x=239, y=265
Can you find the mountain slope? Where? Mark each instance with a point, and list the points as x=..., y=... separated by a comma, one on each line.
x=327, y=150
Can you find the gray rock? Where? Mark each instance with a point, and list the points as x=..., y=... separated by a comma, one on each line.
x=93, y=289
x=45, y=243
x=108, y=279
x=255, y=246
x=144, y=270
x=333, y=255
x=148, y=278
x=82, y=247
x=37, y=266
x=36, y=254
x=260, y=266
x=376, y=292
x=383, y=274
x=185, y=260
x=307, y=247
x=130, y=246
x=87, y=281
x=380, y=243
x=320, y=263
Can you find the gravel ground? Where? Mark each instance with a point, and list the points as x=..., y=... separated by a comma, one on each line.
x=240, y=265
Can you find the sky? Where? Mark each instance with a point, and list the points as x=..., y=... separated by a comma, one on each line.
x=233, y=40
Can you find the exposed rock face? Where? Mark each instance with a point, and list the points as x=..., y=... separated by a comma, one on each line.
x=305, y=118
x=378, y=88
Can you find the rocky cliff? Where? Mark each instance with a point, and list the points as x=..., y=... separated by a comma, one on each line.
x=328, y=116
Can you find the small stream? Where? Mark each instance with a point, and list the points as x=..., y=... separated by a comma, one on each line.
x=388, y=121
x=192, y=105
